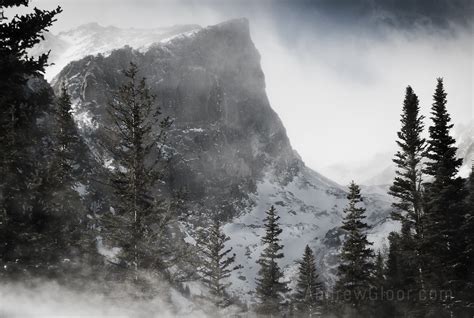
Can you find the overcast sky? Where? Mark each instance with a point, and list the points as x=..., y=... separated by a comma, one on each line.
x=335, y=71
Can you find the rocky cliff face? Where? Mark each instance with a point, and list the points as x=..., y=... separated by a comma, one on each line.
x=227, y=147
x=225, y=135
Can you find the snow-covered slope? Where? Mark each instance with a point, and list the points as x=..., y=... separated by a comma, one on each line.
x=229, y=149
x=91, y=39
x=310, y=207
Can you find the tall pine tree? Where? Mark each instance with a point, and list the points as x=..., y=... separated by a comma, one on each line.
x=67, y=140
x=308, y=293
x=23, y=164
x=16, y=112
x=408, y=193
x=444, y=202
x=407, y=185
x=356, y=267
x=468, y=232
x=270, y=285
x=217, y=262
x=71, y=232
x=139, y=221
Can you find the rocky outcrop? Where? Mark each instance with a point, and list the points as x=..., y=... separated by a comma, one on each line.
x=225, y=135
x=227, y=147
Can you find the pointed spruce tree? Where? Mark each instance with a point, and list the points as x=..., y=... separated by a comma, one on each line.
x=444, y=202
x=67, y=140
x=139, y=221
x=407, y=185
x=270, y=285
x=71, y=234
x=356, y=267
x=23, y=165
x=217, y=262
x=308, y=293
x=17, y=37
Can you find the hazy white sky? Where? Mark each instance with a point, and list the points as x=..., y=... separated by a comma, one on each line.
x=335, y=74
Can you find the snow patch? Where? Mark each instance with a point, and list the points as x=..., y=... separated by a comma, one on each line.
x=81, y=189
x=110, y=254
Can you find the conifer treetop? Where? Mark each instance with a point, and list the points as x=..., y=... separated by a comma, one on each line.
x=270, y=287
x=308, y=288
x=441, y=150
x=406, y=187
x=21, y=34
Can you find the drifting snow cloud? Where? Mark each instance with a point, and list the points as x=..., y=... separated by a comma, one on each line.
x=48, y=299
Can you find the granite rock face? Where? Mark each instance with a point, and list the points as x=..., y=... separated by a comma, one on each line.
x=227, y=147
x=225, y=135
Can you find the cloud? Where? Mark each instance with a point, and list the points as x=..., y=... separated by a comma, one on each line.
x=340, y=96
x=49, y=299
x=335, y=70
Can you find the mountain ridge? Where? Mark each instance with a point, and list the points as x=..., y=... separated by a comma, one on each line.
x=227, y=147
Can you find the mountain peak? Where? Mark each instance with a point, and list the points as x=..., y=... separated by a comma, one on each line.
x=239, y=24
x=93, y=39
x=228, y=149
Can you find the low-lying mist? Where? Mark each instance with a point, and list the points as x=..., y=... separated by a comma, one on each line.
x=50, y=299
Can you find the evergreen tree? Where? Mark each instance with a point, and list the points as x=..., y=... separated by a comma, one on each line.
x=217, y=262
x=401, y=274
x=445, y=202
x=394, y=272
x=468, y=232
x=469, y=228
x=380, y=305
x=378, y=280
x=139, y=222
x=393, y=264
x=356, y=268
x=308, y=293
x=67, y=140
x=270, y=287
x=407, y=185
x=23, y=164
x=379, y=270
x=71, y=233
x=16, y=112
